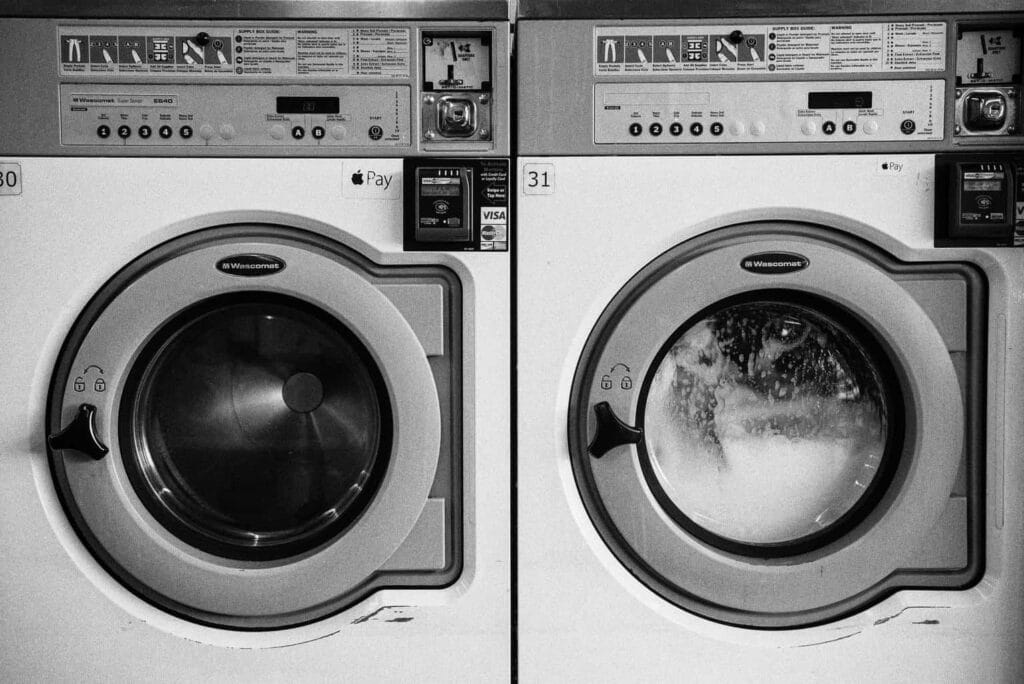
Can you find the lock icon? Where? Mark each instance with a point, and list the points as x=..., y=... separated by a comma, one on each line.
x=99, y=385
x=79, y=384
x=627, y=382
x=606, y=382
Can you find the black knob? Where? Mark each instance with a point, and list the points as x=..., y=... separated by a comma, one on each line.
x=80, y=434
x=611, y=432
x=735, y=37
x=202, y=38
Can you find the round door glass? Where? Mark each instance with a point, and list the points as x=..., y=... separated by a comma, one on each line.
x=767, y=423
x=258, y=426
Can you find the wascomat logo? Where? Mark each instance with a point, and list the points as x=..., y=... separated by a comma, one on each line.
x=250, y=265
x=774, y=263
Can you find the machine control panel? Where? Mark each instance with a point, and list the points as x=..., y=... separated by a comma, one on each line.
x=789, y=111
x=252, y=115
x=979, y=200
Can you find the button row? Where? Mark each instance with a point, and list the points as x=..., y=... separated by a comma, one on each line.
x=125, y=132
x=676, y=129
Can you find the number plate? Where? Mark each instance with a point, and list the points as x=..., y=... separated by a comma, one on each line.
x=10, y=179
x=538, y=179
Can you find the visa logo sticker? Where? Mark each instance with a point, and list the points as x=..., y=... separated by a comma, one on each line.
x=494, y=215
x=372, y=179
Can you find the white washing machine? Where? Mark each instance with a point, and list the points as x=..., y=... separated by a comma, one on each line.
x=769, y=310
x=257, y=422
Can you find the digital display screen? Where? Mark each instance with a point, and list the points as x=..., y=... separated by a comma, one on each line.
x=842, y=100
x=983, y=185
x=429, y=190
x=308, y=105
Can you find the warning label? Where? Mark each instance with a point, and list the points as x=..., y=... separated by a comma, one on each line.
x=790, y=48
x=246, y=51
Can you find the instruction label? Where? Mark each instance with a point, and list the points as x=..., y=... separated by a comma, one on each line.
x=787, y=48
x=313, y=52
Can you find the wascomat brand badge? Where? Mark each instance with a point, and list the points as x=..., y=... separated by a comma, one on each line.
x=770, y=263
x=250, y=265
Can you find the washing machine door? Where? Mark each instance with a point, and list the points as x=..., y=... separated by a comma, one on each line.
x=244, y=427
x=765, y=424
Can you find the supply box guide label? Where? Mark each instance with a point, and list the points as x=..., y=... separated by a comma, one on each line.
x=306, y=52
x=771, y=48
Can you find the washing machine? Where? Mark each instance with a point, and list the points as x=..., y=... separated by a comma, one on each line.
x=256, y=361
x=769, y=318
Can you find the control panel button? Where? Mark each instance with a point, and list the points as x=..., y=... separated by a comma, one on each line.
x=318, y=132
x=375, y=132
x=675, y=128
x=907, y=126
x=124, y=132
x=185, y=132
x=696, y=128
x=717, y=128
x=206, y=131
x=338, y=132
x=809, y=128
x=828, y=128
x=103, y=131
x=166, y=132
x=227, y=131
x=635, y=129
x=145, y=132
x=736, y=128
x=298, y=132
x=277, y=132
x=849, y=127
x=871, y=127
x=757, y=128
x=655, y=129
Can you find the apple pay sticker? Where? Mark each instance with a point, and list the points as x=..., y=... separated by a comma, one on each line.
x=374, y=180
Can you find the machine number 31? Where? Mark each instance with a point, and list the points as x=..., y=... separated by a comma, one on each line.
x=538, y=179
x=10, y=179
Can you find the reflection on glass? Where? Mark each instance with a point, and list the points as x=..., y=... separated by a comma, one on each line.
x=259, y=424
x=765, y=422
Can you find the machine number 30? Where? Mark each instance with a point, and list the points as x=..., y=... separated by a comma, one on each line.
x=538, y=179
x=10, y=179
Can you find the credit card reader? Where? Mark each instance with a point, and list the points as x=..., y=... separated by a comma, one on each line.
x=444, y=204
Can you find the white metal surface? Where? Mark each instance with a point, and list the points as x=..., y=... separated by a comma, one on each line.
x=582, y=616
x=76, y=223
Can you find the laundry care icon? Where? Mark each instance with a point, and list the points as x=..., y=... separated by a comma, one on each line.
x=610, y=49
x=189, y=52
x=639, y=49
x=103, y=50
x=74, y=49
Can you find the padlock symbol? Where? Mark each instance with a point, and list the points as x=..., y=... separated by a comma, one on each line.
x=79, y=384
x=606, y=382
x=627, y=382
x=99, y=385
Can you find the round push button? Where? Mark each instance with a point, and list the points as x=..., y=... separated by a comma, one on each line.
x=145, y=132
x=376, y=132
x=338, y=132
x=185, y=132
x=809, y=128
x=675, y=128
x=227, y=131
x=908, y=126
x=124, y=132
x=206, y=131
x=696, y=128
x=828, y=128
x=757, y=128
x=298, y=132
x=871, y=127
x=655, y=129
x=736, y=128
x=103, y=131
x=717, y=128
x=277, y=132
x=166, y=132
x=318, y=132
x=849, y=127
x=635, y=129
